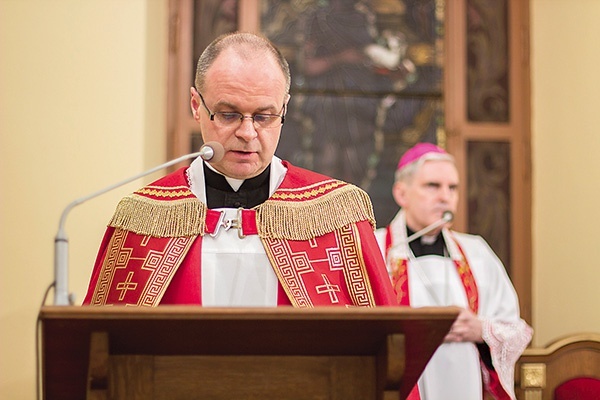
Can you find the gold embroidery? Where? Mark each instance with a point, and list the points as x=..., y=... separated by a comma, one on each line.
x=328, y=288
x=145, y=241
x=355, y=270
x=108, y=268
x=126, y=285
x=161, y=192
x=163, y=265
x=289, y=268
x=290, y=194
x=345, y=255
x=160, y=264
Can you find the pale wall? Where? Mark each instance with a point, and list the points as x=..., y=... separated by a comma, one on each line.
x=566, y=166
x=82, y=105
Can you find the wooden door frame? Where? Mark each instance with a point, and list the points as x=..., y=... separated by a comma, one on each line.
x=517, y=132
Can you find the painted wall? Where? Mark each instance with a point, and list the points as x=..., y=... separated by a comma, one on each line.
x=566, y=175
x=83, y=104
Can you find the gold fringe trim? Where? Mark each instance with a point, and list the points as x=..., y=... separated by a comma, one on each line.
x=275, y=219
x=156, y=218
x=312, y=218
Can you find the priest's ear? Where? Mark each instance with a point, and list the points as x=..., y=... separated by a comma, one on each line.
x=195, y=103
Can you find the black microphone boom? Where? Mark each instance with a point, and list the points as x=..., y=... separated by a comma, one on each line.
x=210, y=151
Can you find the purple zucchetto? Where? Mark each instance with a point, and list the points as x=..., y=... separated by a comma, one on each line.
x=418, y=151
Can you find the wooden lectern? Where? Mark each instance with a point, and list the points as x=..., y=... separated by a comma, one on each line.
x=188, y=352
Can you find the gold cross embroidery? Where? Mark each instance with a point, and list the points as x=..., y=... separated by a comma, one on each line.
x=127, y=285
x=329, y=289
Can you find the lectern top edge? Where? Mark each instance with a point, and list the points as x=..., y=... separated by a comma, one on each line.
x=195, y=312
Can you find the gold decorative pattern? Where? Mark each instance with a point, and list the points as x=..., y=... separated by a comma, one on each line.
x=163, y=266
x=151, y=271
x=156, y=191
x=126, y=285
x=307, y=192
x=329, y=288
x=289, y=268
x=111, y=262
x=533, y=376
x=355, y=270
x=300, y=268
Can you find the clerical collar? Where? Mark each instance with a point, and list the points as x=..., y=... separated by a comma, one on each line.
x=220, y=191
x=233, y=183
x=427, y=246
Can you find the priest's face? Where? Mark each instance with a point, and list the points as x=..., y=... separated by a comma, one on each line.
x=248, y=83
x=432, y=190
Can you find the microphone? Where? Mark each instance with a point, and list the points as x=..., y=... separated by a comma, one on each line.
x=447, y=216
x=210, y=151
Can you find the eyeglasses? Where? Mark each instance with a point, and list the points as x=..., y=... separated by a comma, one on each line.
x=229, y=119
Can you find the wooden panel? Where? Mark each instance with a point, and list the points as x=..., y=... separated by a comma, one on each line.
x=264, y=377
x=97, y=382
x=131, y=377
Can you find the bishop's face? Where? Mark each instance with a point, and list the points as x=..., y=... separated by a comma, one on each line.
x=432, y=190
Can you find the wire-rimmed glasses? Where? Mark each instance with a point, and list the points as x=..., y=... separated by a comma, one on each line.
x=230, y=119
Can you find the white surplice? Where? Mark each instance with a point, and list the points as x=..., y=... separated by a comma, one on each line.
x=455, y=372
x=235, y=271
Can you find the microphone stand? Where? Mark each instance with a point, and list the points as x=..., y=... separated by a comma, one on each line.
x=62, y=297
x=447, y=216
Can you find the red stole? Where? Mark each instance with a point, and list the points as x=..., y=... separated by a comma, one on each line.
x=327, y=270
x=137, y=269
x=400, y=276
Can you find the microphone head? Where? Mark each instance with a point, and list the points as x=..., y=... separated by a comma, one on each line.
x=212, y=151
x=447, y=216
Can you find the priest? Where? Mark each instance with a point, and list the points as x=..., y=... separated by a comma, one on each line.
x=245, y=228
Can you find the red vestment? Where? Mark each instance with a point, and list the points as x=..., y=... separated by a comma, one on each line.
x=316, y=231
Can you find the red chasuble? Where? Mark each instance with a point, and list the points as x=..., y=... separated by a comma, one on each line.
x=317, y=233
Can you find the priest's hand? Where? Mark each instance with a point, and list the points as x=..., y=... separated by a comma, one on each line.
x=466, y=328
